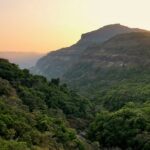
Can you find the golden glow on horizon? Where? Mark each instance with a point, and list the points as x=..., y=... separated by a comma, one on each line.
x=42, y=25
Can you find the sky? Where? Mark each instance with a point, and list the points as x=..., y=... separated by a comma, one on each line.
x=46, y=25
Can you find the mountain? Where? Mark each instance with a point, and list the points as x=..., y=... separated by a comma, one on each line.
x=23, y=59
x=125, y=57
x=104, y=33
x=56, y=63
x=41, y=114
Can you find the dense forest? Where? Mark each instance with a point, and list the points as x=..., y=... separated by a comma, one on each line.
x=34, y=112
x=106, y=104
x=37, y=114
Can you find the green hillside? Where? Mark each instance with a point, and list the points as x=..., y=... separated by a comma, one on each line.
x=111, y=112
x=34, y=112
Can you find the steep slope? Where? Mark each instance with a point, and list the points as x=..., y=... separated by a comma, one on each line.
x=56, y=63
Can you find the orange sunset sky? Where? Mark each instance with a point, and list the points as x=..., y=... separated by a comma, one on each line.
x=45, y=25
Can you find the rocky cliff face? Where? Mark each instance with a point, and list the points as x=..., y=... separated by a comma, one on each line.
x=55, y=64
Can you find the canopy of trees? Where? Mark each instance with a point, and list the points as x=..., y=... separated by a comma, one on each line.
x=37, y=114
x=33, y=111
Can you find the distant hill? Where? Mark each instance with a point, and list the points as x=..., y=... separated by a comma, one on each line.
x=23, y=59
x=55, y=64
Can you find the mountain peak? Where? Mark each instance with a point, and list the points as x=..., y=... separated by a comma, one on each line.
x=113, y=25
x=56, y=64
x=104, y=33
x=107, y=28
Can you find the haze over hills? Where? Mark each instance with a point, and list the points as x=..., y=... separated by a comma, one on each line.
x=23, y=59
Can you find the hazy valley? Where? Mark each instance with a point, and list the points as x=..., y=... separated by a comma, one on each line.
x=23, y=59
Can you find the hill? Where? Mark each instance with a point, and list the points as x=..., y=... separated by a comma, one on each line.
x=56, y=63
x=123, y=57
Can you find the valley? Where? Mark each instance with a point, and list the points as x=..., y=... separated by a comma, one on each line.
x=94, y=95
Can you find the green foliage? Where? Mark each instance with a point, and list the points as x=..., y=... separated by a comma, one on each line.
x=38, y=93
x=26, y=104
x=5, y=88
x=37, y=114
x=125, y=92
x=12, y=145
x=127, y=128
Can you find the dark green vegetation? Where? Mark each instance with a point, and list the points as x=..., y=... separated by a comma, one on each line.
x=110, y=66
x=34, y=112
x=127, y=128
x=38, y=114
